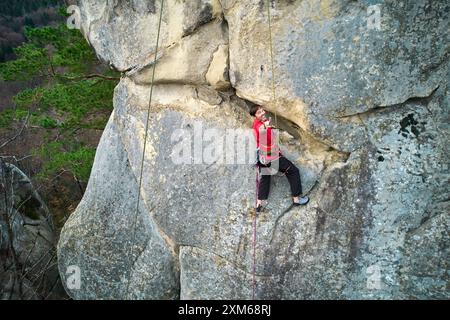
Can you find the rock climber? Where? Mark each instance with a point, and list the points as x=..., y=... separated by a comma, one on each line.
x=268, y=152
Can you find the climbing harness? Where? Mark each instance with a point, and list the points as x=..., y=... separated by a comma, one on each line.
x=144, y=148
x=268, y=152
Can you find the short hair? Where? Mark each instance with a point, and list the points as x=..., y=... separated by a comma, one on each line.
x=253, y=109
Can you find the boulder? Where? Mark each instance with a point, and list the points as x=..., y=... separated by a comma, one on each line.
x=27, y=248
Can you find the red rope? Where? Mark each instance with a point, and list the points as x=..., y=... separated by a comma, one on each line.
x=254, y=235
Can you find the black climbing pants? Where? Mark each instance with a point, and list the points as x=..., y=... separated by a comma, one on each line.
x=290, y=170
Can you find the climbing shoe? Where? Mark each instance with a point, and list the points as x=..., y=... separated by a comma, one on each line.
x=301, y=201
x=259, y=208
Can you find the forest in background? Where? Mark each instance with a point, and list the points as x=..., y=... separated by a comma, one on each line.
x=55, y=100
x=18, y=14
x=63, y=106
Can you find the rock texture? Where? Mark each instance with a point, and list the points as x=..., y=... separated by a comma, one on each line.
x=363, y=112
x=27, y=248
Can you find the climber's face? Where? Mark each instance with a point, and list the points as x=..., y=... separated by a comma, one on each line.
x=260, y=114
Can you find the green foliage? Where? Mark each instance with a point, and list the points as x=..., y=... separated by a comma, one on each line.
x=74, y=101
x=65, y=101
x=31, y=61
x=63, y=12
x=71, y=49
x=27, y=97
x=7, y=117
x=48, y=123
x=46, y=49
x=15, y=15
x=72, y=156
x=79, y=97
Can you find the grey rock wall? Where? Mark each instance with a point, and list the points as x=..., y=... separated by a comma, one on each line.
x=363, y=112
x=28, y=267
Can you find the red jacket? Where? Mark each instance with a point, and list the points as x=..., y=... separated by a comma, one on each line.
x=258, y=128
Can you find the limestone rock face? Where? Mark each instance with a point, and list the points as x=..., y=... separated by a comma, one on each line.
x=116, y=236
x=363, y=112
x=332, y=61
x=123, y=33
x=217, y=75
x=189, y=60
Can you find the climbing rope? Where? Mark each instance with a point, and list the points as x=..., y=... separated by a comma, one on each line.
x=145, y=144
x=254, y=238
x=257, y=168
x=271, y=60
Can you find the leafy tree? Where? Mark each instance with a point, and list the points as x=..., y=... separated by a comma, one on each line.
x=46, y=49
x=14, y=15
x=69, y=98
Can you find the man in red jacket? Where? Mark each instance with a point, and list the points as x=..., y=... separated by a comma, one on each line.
x=268, y=152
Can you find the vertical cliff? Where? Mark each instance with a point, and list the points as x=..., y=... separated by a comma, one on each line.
x=364, y=109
